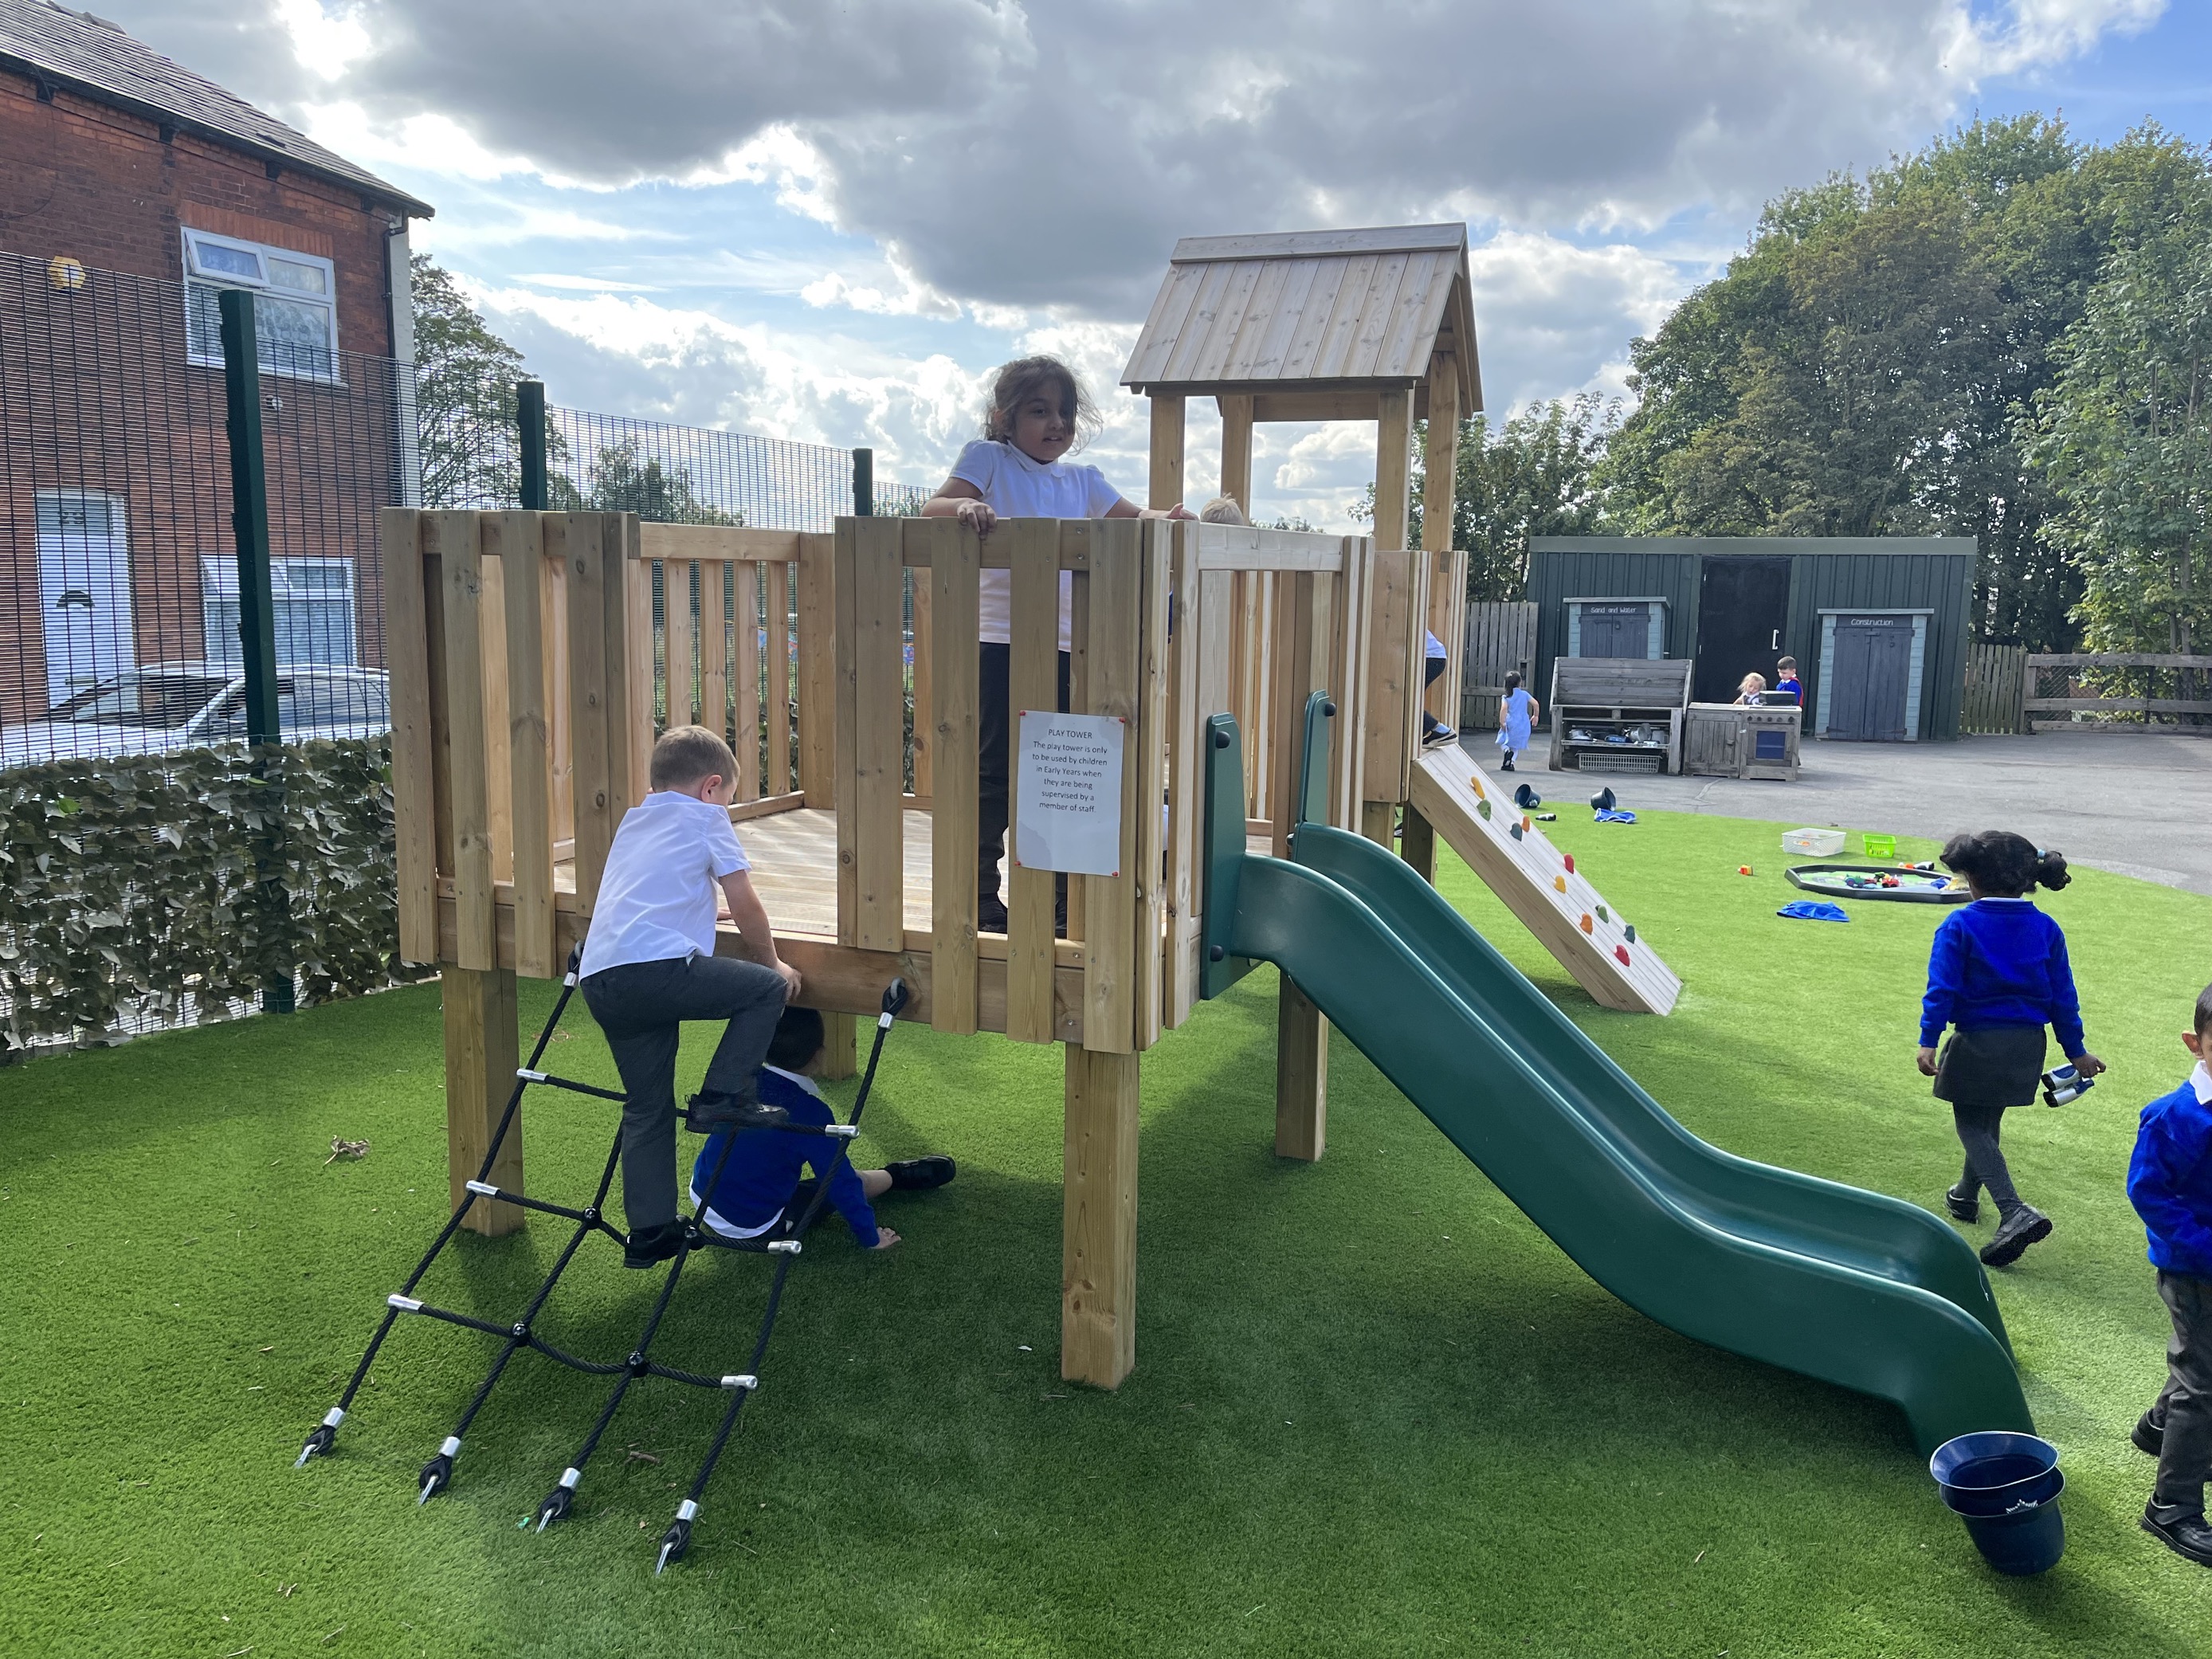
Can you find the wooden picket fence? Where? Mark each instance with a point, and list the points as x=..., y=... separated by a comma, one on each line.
x=1996, y=677
x=1501, y=638
x=2094, y=692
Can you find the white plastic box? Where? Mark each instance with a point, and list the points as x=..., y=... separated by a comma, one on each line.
x=1818, y=844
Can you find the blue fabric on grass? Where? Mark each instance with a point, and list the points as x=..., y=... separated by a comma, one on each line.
x=1616, y=818
x=1812, y=910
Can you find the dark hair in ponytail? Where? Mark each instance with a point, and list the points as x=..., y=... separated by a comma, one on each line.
x=2004, y=865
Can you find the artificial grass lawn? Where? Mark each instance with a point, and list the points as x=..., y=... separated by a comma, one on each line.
x=1373, y=1409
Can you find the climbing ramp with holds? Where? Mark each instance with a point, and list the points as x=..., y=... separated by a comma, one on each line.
x=1542, y=886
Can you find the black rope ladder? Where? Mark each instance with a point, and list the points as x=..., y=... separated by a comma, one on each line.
x=783, y=1242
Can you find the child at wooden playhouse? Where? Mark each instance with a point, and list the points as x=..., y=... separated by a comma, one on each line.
x=756, y=1186
x=1997, y=974
x=1036, y=415
x=649, y=964
x=2170, y=1184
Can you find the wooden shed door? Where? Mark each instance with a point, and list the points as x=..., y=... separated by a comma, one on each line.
x=1616, y=630
x=1743, y=604
x=1873, y=669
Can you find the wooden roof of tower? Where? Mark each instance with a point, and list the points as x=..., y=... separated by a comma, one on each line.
x=1287, y=316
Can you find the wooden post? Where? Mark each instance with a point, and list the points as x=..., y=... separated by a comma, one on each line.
x=1165, y=487
x=482, y=1048
x=944, y=723
x=1301, y=1033
x=1236, y=449
x=1098, y=1236
x=840, y=1046
x=1394, y=468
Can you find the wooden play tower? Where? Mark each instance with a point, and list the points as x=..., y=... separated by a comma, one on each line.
x=532, y=665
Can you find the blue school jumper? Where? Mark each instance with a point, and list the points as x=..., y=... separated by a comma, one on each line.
x=2170, y=1177
x=764, y=1165
x=2000, y=962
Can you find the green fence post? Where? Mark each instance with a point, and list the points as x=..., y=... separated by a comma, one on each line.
x=530, y=418
x=257, y=611
x=864, y=482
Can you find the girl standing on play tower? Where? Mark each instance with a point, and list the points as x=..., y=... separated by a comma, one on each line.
x=1037, y=413
x=1997, y=974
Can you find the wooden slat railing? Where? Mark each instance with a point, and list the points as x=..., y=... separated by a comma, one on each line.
x=725, y=649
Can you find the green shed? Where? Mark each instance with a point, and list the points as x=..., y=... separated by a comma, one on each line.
x=1877, y=623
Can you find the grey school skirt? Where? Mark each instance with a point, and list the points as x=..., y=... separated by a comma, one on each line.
x=1991, y=1065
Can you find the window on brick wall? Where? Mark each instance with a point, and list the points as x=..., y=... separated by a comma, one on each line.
x=295, y=303
x=315, y=618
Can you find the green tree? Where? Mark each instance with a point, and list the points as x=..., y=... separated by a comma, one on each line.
x=1535, y=474
x=2125, y=435
x=1860, y=369
x=465, y=377
x=623, y=482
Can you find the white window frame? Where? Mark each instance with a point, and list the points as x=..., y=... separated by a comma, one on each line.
x=218, y=588
x=215, y=281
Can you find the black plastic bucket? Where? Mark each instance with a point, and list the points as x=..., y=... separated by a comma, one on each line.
x=2005, y=1488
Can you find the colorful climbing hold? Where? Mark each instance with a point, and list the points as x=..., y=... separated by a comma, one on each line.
x=1588, y=928
x=1514, y=830
x=1621, y=950
x=1475, y=784
x=1483, y=807
x=1571, y=864
x=1601, y=916
x=1629, y=933
x=1560, y=883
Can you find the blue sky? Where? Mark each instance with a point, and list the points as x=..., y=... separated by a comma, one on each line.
x=829, y=219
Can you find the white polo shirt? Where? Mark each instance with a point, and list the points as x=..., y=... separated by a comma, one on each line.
x=1014, y=486
x=657, y=898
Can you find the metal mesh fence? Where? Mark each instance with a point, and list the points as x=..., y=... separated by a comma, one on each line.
x=121, y=575
x=124, y=784
x=121, y=666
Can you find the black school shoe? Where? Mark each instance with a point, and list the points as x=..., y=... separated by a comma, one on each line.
x=2188, y=1536
x=918, y=1175
x=711, y=1112
x=1961, y=1209
x=2148, y=1435
x=2023, y=1227
x=646, y=1246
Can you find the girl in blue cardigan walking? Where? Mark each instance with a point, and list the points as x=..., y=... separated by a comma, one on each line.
x=1997, y=974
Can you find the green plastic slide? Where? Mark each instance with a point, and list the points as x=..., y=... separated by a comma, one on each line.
x=1849, y=1286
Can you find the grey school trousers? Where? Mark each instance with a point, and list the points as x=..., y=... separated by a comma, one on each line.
x=641, y=1006
x=2183, y=1410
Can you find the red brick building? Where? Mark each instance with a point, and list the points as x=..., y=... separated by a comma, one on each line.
x=132, y=192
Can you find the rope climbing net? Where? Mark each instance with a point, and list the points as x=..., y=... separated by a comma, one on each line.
x=783, y=1242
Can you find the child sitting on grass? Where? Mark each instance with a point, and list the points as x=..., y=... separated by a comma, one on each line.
x=758, y=1186
x=649, y=964
x=2170, y=1184
x=1997, y=973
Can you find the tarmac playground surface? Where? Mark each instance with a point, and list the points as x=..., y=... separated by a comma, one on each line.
x=2134, y=806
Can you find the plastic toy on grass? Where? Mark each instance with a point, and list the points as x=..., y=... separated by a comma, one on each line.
x=1867, y=881
x=1878, y=847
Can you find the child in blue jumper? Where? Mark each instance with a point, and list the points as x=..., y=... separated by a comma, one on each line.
x=1997, y=974
x=2170, y=1184
x=759, y=1189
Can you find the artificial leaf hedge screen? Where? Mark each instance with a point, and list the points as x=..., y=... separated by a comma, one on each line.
x=129, y=884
